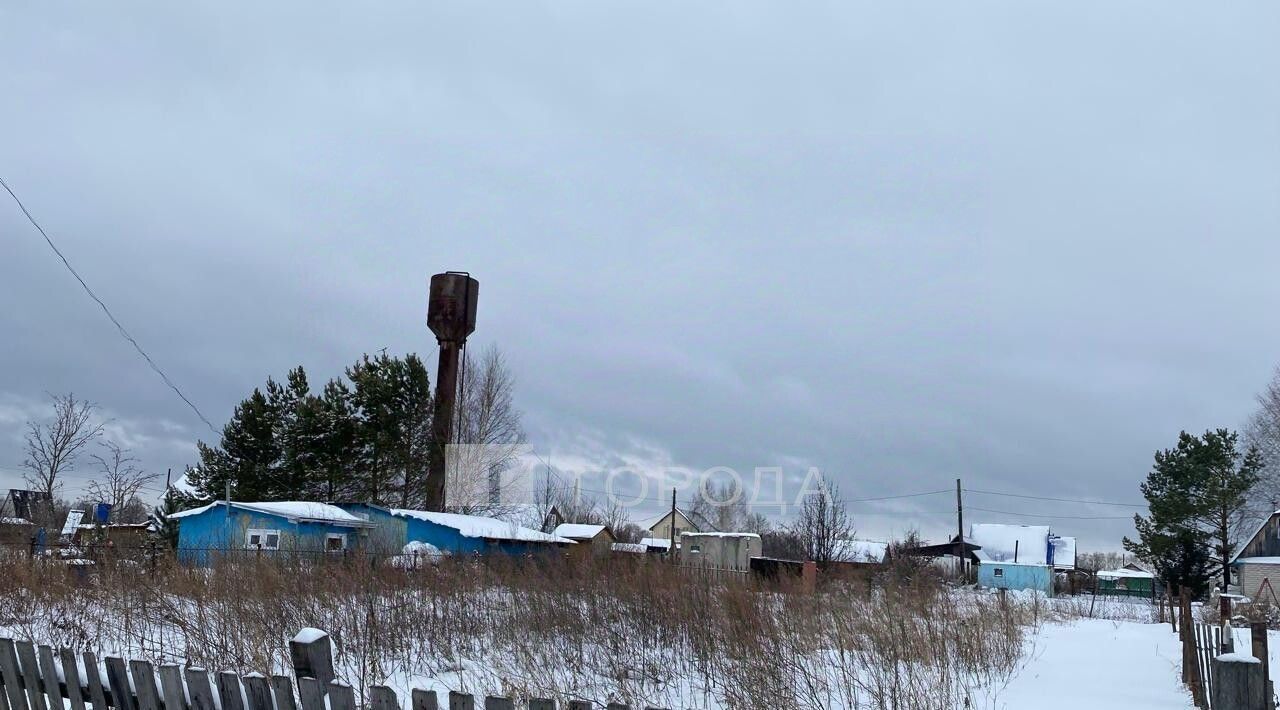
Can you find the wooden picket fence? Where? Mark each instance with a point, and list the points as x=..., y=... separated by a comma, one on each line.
x=40, y=678
x=1208, y=644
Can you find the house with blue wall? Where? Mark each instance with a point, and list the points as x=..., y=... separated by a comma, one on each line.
x=1016, y=575
x=454, y=533
x=389, y=532
x=280, y=527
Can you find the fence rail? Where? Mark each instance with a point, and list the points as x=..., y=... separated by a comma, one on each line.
x=42, y=678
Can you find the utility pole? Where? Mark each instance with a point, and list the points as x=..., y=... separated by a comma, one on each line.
x=672, y=527
x=960, y=551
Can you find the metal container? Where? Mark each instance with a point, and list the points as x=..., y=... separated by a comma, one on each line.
x=451, y=310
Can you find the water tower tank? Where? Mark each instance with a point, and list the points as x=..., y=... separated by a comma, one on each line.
x=451, y=310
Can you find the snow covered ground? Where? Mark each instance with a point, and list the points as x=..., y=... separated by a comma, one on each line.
x=1101, y=665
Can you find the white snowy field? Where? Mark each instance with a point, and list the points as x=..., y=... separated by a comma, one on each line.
x=1101, y=665
x=647, y=636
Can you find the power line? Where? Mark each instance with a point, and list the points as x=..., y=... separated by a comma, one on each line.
x=124, y=333
x=1060, y=517
x=1061, y=500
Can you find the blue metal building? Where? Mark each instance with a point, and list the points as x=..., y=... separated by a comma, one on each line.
x=1012, y=575
x=294, y=527
x=454, y=533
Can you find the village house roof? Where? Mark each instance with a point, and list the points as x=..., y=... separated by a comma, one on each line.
x=1249, y=539
x=1124, y=574
x=656, y=542
x=578, y=531
x=481, y=527
x=293, y=511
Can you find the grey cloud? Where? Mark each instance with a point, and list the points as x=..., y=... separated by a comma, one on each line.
x=1021, y=245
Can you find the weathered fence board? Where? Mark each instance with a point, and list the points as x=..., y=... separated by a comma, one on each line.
x=199, y=690
x=30, y=679
x=282, y=690
x=49, y=677
x=9, y=674
x=311, y=694
x=72, y=675
x=229, y=691
x=97, y=694
x=44, y=678
x=426, y=699
x=257, y=689
x=144, y=684
x=383, y=698
x=341, y=696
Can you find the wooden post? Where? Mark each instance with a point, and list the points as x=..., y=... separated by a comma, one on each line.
x=31, y=676
x=498, y=703
x=93, y=680
x=118, y=679
x=49, y=673
x=579, y=705
x=1238, y=683
x=10, y=674
x=809, y=577
x=541, y=704
x=341, y=696
x=310, y=694
x=175, y=697
x=461, y=701
x=312, y=654
x=229, y=691
x=1258, y=644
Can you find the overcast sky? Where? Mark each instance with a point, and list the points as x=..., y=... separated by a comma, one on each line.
x=1023, y=243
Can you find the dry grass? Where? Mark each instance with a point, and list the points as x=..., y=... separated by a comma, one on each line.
x=606, y=631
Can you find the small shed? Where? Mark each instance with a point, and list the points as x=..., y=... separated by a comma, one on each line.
x=1016, y=576
x=292, y=527
x=1128, y=581
x=455, y=533
x=724, y=551
x=597, y=539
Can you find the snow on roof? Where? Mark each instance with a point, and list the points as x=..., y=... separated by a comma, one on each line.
x=719, y=534
x=578, y=531
x=1259, y=560
x=294, y=511
x=1001, y=542
x=1124, y=574
x=15, y=521
x=480, y=526
x=860, y=550
x=629, y=547
x=182, y=485
x=662, y=542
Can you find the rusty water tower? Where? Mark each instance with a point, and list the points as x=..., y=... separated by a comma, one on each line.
x=451, y=315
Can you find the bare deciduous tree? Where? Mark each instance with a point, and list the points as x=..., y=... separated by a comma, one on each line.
x=823, y=521
x=120, y=479
x=1263, y=432
x=491, y=436
x=722, y=505
x=52, y=446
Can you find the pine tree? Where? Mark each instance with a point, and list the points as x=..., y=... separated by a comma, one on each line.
x=1197, y=495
